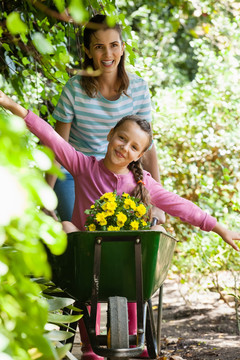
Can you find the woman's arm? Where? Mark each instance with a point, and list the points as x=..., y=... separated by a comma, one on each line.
x=150, y=164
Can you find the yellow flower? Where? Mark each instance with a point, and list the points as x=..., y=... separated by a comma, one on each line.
x=134, y=225
x=113, y=228
x=103, y=222
x=140, y=210
x=109, y=213
x=110, y=209
x=92, y=227
x=109, y=206
x=128, y=203
x=100, y=217
x=121, y=219
x=108, y=196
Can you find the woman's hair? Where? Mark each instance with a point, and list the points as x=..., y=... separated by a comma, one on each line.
x=140, y=191
x=89, y=83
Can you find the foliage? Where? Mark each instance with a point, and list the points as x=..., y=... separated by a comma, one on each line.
x=198, y=145
x=113, y=213
x=189, y=54
x=61, y=315
x=25, y=231
x=42, y=48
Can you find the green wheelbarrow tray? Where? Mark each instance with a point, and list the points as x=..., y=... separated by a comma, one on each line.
x=73, y=271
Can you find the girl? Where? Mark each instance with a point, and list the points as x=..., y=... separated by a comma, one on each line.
x=119, y=170
x=90, y=106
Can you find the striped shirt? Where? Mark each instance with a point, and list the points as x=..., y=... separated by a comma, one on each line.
x=93, y=118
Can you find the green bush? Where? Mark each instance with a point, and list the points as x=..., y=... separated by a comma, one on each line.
x=24, y=232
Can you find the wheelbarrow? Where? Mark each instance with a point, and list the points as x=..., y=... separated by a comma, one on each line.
x=117, y=267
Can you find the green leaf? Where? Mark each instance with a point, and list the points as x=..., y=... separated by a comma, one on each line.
x=77, y=10
x=6, y=47
x=15, y=25
x=60, y=4
x=25, y=73
x=58, y=303
x=42, y=44
x=25, y=61
x=111, y=20
x=59, y=335
x=62, y=350
x=63, y=319
x=44, y=345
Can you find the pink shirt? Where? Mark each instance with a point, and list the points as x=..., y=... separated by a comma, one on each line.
x=93, y=179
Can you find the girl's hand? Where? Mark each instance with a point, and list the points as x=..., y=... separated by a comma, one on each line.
x=9, y=104
x=227, y=235
x=5, y=101
x=159, y=214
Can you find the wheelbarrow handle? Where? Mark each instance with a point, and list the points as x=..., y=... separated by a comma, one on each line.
x=154, y=221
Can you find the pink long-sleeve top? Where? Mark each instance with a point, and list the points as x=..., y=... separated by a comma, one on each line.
x=93, y=179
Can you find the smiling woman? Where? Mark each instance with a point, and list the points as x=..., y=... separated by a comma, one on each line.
x=106, y=50
x=90, y=106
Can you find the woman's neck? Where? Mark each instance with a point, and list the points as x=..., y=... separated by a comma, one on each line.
x=108, y=86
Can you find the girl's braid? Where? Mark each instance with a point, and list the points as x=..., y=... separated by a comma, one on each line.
x=140, y=191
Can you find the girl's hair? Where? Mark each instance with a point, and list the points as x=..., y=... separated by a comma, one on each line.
x=89, y=83
x=140, y=191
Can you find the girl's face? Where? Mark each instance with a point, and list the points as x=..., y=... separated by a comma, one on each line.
x=127, y=143
x=106, y=49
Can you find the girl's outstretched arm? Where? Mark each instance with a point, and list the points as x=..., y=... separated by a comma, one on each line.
x=10, y=105
x=74, y=161
x=227, y=235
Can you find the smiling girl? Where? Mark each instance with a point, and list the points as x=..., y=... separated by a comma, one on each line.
x=119, y=170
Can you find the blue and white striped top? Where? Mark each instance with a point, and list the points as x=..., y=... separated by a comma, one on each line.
x=93, y=118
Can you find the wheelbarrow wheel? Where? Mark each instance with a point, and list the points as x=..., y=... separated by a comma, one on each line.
x=118, y=337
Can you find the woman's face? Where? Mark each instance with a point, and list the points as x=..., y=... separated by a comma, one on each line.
x=106, y=49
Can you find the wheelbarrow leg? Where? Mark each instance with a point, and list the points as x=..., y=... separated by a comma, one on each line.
x=153, y=337
x=151, y=333
x=159, y=320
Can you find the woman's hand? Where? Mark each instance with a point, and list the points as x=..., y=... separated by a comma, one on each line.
x=50, y=213
x=227, y=235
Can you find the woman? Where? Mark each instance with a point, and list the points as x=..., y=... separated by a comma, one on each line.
x=90, y=106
